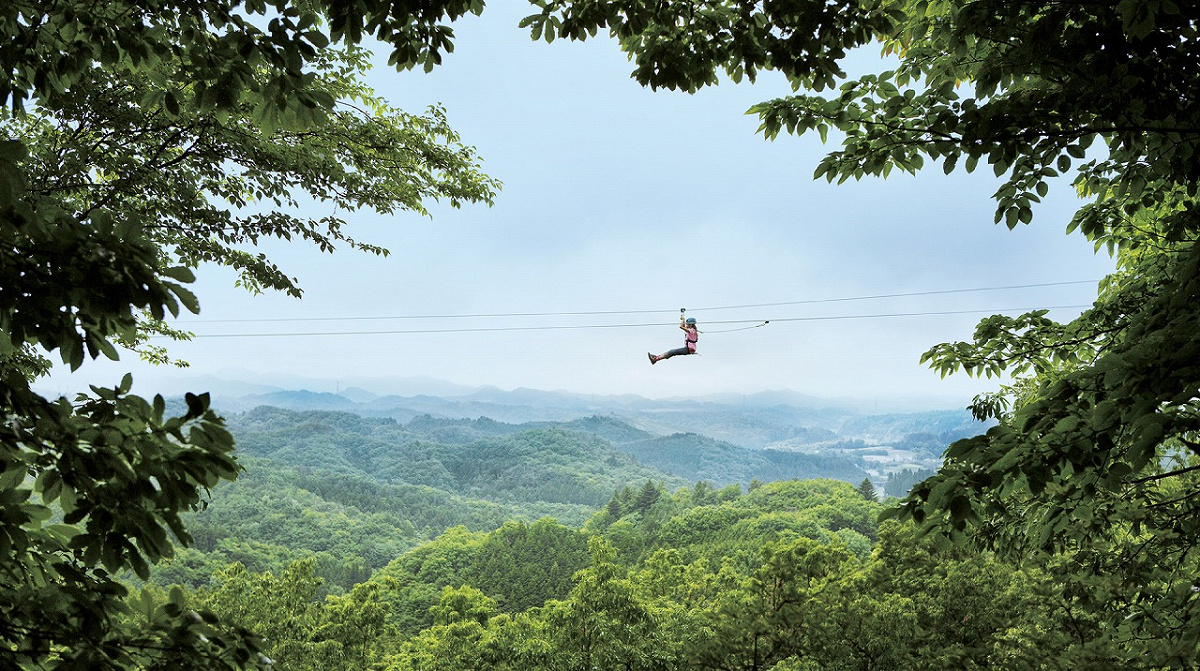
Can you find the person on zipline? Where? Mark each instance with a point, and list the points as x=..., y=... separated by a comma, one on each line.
x=692, y=335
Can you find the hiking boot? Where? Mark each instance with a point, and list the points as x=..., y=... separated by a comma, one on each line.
x=653, y=359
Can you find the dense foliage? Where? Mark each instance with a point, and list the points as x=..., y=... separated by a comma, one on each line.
x=790, y=575
x=141, y=139
x=1095, y=458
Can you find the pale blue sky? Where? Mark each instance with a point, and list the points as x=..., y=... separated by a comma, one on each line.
x=617, y=198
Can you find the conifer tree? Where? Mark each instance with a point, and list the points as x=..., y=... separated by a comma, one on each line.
x=867, y=489
x=647, y=496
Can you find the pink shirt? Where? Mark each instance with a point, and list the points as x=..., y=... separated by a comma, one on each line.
x=690, y=337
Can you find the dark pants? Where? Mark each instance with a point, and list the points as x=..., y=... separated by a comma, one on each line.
x=676, y=352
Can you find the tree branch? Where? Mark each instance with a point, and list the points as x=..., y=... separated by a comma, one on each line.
x=1163, y=476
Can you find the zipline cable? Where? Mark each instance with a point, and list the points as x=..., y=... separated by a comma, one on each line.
x=489, y=329
x=744, y=328
x=902, y=295
x=635, y=312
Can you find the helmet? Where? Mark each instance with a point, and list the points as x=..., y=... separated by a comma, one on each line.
x=690, y=320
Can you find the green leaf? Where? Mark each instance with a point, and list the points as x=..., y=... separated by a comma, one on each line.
x=171, y=103
x=14, y=476
x=197, y=405
x=105, y=347
x=317, y=38
x=12, y=151
x=180, y=274
x=38, y=513
x=960, y=508
x=189, y=300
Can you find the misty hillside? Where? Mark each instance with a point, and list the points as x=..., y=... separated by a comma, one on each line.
x=768, y=419
x=536, y=461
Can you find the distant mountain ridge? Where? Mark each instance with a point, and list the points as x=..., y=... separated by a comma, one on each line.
x=768, y=415
x=882, y=443
x=782, y=420
x=473, y=456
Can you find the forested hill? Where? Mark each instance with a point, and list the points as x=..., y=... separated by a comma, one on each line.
x=697, y=578
x=754, y=421
x=521, y=566
x=881, y=443
x=573, y=462
x=480, y=459
x=355, y=492
x=354, y=541
x=696, y=457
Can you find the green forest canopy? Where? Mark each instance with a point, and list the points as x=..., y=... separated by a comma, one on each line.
x=355, y=492
x=783, y=576
x=121, y=114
